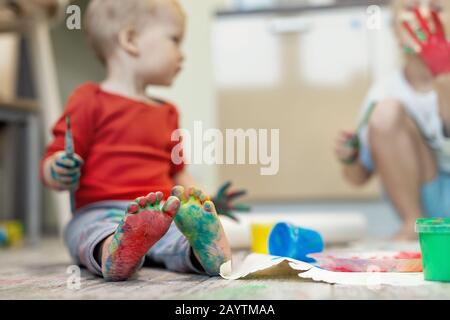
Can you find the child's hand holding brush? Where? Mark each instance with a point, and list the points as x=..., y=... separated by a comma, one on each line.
x=348, y=144
x=62, y=172
x=347, y=147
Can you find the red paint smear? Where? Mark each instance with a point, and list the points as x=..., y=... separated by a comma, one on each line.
x=408, y=255
x=337, y=269
x=140, y=232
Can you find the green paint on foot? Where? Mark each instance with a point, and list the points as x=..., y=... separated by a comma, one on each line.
x=198, y=221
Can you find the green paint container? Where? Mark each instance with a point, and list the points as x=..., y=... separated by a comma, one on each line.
x=434, y=236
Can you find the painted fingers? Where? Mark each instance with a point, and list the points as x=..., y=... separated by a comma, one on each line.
x=65, y=171
x=346, y=148
x=429, y=42
x=224, y=201
x=424, y=34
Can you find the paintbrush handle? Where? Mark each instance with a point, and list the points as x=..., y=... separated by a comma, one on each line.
x=354, y=142
x=72, y=201
x=70, y=154
x=365, y=119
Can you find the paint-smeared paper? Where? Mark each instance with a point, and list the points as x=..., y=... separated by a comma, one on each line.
x=255, y=264
x=379, y=261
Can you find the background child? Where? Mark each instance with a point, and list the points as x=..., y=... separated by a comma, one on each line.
x=123, y=146
x=406, y=139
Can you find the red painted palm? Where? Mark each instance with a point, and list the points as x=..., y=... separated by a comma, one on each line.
x=434, y=48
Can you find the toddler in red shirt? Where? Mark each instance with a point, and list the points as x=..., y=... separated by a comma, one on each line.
x=122, y=143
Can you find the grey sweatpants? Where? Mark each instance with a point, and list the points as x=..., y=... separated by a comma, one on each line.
x=94, y=223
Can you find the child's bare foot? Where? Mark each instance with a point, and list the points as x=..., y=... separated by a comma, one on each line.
x=143, y=225
x=407, y=232
x=197, y=219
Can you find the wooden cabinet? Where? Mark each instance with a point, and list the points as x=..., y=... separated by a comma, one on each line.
x=9, y=46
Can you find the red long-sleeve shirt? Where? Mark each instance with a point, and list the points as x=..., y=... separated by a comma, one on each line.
x=125, y=144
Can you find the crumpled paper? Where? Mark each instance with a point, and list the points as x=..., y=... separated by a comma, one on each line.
x=260, y=264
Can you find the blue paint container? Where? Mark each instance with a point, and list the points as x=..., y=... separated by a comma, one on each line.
x=3, y=237
x=287, y=240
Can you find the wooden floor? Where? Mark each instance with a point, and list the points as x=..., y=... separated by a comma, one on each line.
x=40, y=273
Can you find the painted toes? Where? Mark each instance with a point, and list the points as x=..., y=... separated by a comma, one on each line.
x=151, y=198
x=198, y=195
x=203, y=197
x=171, y=206
x=154, y=198
x=209, y=207
x=133, y=208
x=178, y=191
x=159, y=197
x=137, y=205
x=142, y=202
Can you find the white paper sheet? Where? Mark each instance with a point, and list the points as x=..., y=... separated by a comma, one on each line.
x=255, y=264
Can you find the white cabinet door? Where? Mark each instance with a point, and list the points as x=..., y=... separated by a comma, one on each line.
x=304, y=74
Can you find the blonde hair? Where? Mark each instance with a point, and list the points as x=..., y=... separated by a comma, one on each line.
x=104, y=20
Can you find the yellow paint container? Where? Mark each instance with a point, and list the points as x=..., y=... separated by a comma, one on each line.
x=260, y=237
x=11, y=234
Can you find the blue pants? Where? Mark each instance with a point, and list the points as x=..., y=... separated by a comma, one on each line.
x=435, y=195
x=94, y=223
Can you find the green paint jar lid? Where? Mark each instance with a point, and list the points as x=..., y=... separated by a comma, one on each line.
x=433, y=225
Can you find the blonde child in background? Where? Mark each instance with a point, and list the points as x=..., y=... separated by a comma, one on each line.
x=122, y=141
x=406, y=140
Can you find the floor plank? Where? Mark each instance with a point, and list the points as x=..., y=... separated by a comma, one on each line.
x=40, y=273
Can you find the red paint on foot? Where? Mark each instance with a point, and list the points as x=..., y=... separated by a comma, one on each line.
x=134, y=237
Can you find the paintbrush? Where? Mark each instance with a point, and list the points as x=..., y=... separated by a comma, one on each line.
x=70, y=154
x=354, y=141
x=365, y=119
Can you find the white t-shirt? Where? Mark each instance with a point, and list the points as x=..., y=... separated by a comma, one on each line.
x=422, y=107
